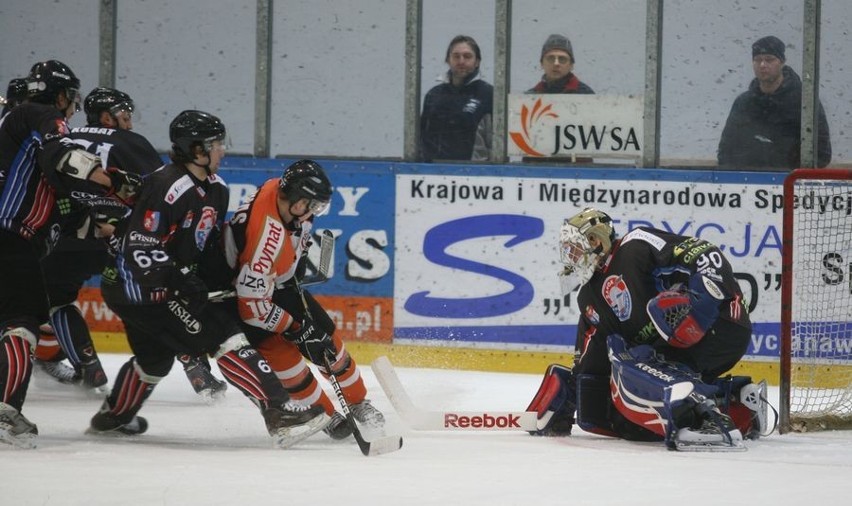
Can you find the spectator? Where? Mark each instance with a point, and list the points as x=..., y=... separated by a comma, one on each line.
x=763, y=130
x=557, y=62
x=454, y=110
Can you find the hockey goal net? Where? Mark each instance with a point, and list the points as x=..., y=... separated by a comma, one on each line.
x=816, y=301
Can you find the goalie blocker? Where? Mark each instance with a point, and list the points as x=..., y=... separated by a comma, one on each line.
x=649, y=399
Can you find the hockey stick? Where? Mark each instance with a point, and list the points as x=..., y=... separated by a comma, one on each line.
x=220, y=295
x=326, y=251
x=419, y=419
x=385, y=444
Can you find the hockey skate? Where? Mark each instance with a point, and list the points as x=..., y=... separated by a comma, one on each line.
x=367, y=414
x=292, y=423
x=753, y=396
x=338, y=428
x=202, y=380
x=105, y=423
x=715, y=431
x=15, y=429
x=56, y=370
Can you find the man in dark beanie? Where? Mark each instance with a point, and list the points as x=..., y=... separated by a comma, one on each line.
x=763, y=131
x=557, y=62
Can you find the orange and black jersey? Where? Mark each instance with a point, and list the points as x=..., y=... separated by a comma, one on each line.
x=171, y=225
x=265, y=252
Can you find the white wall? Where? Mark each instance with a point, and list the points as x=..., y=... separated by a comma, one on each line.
x=338, y=65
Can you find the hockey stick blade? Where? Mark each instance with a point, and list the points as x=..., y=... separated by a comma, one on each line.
x=326, y=253
x=419, y=419
x=220, y=295
x=386, y=444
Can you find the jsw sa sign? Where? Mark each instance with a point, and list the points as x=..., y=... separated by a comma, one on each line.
x=551, y=126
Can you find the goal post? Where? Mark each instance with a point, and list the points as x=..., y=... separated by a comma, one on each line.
x=816, y=301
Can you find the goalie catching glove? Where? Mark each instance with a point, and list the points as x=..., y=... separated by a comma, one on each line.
x=683, y=314
x=312, y=341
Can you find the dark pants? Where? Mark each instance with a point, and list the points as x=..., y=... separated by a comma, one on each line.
x=158, y=332
x=23, y=299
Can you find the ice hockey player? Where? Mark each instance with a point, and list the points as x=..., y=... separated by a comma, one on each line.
x=154, y=288
x=661, y=319
x=40, y=177
x=109, y=134
x=16, y=93
x=266, y=243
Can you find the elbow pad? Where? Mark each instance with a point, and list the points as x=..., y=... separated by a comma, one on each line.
x=78, y=163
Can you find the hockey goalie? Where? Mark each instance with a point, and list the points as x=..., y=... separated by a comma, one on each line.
x=662, y=318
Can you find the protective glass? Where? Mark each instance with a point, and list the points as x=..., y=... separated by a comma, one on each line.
x=318, y=207
x=73, y=96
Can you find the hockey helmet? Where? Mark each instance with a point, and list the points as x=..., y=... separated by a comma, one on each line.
x=191, y=128
x=579, y=257
x=48, y=78
x=16, y=93
x=306, y=179
x=106, y=99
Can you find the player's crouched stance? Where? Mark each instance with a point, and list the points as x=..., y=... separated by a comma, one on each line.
x=662, y=317
x=153, y=286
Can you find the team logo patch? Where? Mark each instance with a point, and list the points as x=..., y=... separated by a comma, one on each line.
x=151, y=221
x=205, y=225
x=617, y=295
x=187, y=220
x=592, y=315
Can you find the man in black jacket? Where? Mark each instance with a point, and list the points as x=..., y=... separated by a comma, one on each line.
x=763, y=131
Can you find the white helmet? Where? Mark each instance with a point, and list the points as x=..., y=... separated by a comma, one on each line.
x=575, y=250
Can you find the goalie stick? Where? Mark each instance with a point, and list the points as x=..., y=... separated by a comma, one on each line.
x=419, y=419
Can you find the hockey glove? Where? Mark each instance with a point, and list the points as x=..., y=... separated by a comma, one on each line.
x=189, y=289
x=125, y=185
x=683, y=315
x=312, y=341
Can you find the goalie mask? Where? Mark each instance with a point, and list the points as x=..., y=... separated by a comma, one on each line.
x=584, y=240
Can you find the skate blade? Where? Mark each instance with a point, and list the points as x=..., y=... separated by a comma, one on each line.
x=21, y=441
x=286, y=437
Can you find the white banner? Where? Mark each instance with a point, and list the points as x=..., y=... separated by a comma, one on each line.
x=568, y=125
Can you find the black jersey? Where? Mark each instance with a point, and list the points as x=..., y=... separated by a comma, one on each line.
x=642, y=264
x=30, y=184
x=169, y=228
x=123, y=149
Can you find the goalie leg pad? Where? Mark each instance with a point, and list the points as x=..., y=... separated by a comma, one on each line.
x=555, y=402
x=650, y=392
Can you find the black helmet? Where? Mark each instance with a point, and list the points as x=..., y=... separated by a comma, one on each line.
x=48, y=78
x=16, y=93
x=190, y=128
x=306, y=179
x=106, y=99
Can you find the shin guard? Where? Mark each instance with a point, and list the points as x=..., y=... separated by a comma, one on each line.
x=15, y=365
x=293, y=372
x=73, y=335
x=245, y=369
x=132, y=387
x=347, y=373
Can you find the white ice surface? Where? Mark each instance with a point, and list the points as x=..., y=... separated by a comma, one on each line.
x=195, y=454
